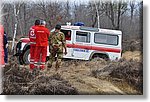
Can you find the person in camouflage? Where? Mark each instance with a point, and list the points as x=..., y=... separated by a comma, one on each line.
x=57, y=43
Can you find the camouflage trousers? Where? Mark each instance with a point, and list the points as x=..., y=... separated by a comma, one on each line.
x=55, y=56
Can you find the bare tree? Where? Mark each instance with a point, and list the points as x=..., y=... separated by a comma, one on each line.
x=141, y=19
x=96, y=10
x=6, y=18
x=51, y=12
x=112, y=15
x=67, y=10
x=132, y=8
x=16, y=13
x=114, y=11
x=25, y=17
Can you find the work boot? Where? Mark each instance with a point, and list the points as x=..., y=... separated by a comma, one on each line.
x=49, y=66
x=57, y=67
x=58, y=64
x=42, y=67
x=32, y=66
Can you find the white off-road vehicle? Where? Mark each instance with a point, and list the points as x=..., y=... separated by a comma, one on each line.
x=84, y=43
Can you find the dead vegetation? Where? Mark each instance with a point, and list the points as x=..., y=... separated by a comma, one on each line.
x=19, y=80
x=132, y=45
x=123, y=71
x=98, y=77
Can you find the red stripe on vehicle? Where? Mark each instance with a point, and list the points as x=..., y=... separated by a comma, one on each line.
x=106, y=49
x=94, y=48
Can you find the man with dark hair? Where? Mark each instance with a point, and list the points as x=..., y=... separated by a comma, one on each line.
x=37, y=22
x=56, y=44
x=32, y=37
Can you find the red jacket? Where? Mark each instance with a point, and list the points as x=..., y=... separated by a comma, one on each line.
x=1, y=37
x=1, y=45
x=42, y=35
x=32, y=34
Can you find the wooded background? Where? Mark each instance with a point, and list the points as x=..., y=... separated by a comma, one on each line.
x=18, y=17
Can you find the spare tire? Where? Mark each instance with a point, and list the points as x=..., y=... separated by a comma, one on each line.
x=26, y=57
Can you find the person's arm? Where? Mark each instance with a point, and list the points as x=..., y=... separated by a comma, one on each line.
x=29, y=32
x=48, y=33
x=49, y=39
x=50, y=42
x=5, y=41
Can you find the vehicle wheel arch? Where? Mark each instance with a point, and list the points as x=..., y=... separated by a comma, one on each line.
x=100, y=54
x=26, y=47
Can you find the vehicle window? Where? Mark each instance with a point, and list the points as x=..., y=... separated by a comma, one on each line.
x=67, y=34
x=83, y=37
x=106, y=39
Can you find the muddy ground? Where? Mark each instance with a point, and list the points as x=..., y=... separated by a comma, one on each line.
x=97, y=77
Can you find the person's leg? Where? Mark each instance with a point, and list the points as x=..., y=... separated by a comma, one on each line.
x=51, y=59
x=6, y=55
x=37, y=55
x=2, y=62
x=58, y=61
x=32, y=56
x=43, y=57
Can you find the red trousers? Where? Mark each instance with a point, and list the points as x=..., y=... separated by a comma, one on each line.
x=40, y=56
x=32, y=56
x=1, y=57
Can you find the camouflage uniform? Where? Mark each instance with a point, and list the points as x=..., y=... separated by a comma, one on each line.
x=56, y=44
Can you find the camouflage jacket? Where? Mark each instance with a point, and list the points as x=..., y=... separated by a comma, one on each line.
x=57, y=41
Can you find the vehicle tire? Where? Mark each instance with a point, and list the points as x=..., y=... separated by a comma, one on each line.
x=26, y=57
x=100, y=56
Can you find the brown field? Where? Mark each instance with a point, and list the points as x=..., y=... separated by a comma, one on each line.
x=78, y=77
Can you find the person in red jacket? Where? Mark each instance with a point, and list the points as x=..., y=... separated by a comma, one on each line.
x=2, y=64
x=41, y=44
x=32, y=37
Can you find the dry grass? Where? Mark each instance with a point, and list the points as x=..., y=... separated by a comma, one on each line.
x=126, y=75
x=77, y=77
x=133, y=55
x=20, y=80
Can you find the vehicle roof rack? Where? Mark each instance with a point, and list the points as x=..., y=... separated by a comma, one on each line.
x=89, y=28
